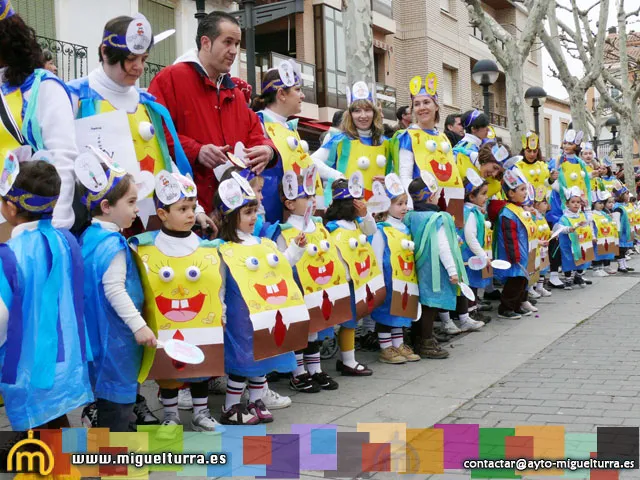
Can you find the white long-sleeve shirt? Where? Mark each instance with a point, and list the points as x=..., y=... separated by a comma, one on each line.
x=55, y=117
x=471, y=236
x=114, y=284
x=446, y=257
x=297, y=221
x=324, y=170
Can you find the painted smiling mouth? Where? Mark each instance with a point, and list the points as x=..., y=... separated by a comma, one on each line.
x=364, y=267
x=182, y=310
x=321, y=275
x=441, y=171
x=275, y=294
x=605, y=230
x=406, y=267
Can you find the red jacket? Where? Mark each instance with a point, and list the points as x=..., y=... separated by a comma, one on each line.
x=204, y=114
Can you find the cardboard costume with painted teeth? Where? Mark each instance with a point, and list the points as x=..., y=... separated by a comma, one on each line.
x=267, y=318
x=183, y=291
x=320, y=273
x=576, y=247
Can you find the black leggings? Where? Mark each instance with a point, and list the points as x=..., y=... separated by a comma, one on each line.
x=198, y=390
x=623, y=252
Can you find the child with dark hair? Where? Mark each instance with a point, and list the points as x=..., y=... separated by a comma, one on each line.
x=260, y=295
x=623, y=222
x=113, y=292
x=44, y=371
x=438, y=261
x=350, y=224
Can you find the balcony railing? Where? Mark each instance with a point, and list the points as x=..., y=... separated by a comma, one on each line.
x=384, y=7
x=71, y=59
x=150, y=71
x=476, y=32
x=386, y=95
x=498, y=119
x=273, y=59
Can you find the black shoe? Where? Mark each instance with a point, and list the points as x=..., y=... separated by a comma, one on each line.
x=522, y=312
x=325, y=381
x=532, y=301
x=560, y=285
x=369, y=342
x=143, y=413
x=479, y=317
x=273, y=377
x=579, y=281
x=304, y=383
x=509, y=315
x=629, y=269
x=89, y=417
x=442, y=337
x=485, y=307
x=494, y=295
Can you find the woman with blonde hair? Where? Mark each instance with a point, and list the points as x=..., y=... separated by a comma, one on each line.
x=361, y=146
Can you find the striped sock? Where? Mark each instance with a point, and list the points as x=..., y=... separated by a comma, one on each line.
x=397, y=337
x=312, y=361
x=384, y=338
x=170, y=406
x=234, y=392
x=256, y=388
x=200, y=404
x=300, y=365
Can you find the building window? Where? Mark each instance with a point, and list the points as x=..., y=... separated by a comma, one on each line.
x=331, y=57
x=448, y=86
x=38, y=14
x=445, y=5
x=563, y=128
x=161, y=16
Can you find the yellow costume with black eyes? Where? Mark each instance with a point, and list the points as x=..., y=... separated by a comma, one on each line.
x=261, y=296
x=322, y=277
x=183, y=294
x=536, y=173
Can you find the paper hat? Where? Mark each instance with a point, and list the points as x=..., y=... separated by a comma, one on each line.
x=430, y=189
x=607, y=162
x=586, y=146
x=500, y=153
x=428, y=88
x=172, y=187
x=289, y=75
x=531, y=196
x=6, y=10
x=235, y=192
x=98, y=180
x=571, y=136
x=136, y=40
x=619, y=188
x=22, y=199
x=530, y=140
x=393, y=186
x=355, y=188
x=471, y=118
x=472, y=180
x=491, y=134
x=600, y=195
x=295, y=187
x=574, y=191
x=542, y=194
x=359, y=91
x=513, y=178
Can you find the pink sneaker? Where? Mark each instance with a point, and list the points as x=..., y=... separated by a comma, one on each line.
x=259, y=409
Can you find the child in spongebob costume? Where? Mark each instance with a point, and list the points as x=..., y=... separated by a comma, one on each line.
x=394, y=247
x=361, y=146
x=350, y=224
x=185, y=300
x=532, y=166
x=320, y=274
x=421, y=147
x=623, y=222
x=280, y=88
x=605, y=242
x=44, y=353
x=267, y=316
x=113, y=289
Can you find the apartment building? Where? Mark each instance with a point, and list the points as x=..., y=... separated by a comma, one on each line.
x=436, y=36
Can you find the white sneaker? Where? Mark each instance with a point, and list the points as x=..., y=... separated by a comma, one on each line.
x=185, y=402
x=169, y=428
x=449, y=327
x=218, y=385
x=611, y=270
x=470, y=325
x=600, y=273
x=528, y=307
x=204, y=422
x=274, y=401
x=534, y=294
x=544, y=292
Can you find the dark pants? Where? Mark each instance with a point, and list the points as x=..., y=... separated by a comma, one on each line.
x=55, y=424
x=623, y=252
x=513, y=294
x=198, y=390
x=555, y=258
x=423, y=328
x=114, y=416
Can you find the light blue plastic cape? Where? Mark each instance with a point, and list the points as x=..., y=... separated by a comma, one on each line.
x=116, y=354
x=44, y=359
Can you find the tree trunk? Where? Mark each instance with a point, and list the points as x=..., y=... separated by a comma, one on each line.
x=579, y=112
x=514, y=81
x=359, y=42
x=626, y=138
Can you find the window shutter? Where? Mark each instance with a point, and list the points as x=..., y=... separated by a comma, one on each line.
x=39, y=15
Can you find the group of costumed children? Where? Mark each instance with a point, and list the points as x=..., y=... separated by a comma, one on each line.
x=167, y=305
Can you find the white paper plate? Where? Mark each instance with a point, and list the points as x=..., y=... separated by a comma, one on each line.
x=466, y=291
x=182, y=351
x=476, y=263
x=501, y=264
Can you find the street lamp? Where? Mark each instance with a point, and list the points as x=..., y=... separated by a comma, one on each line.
x=485, y=73
x=535, y=97
x=612, y=124
x=200, y=12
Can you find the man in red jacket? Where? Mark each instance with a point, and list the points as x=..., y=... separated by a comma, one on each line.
x=208, y=109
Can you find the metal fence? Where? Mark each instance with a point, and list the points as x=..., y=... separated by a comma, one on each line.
x=150, y=71
x=70, y=58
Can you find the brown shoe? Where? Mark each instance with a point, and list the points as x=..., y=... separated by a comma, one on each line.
x=407, y=352
x=431, y=349
x=391, y=355
x=360, y=370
